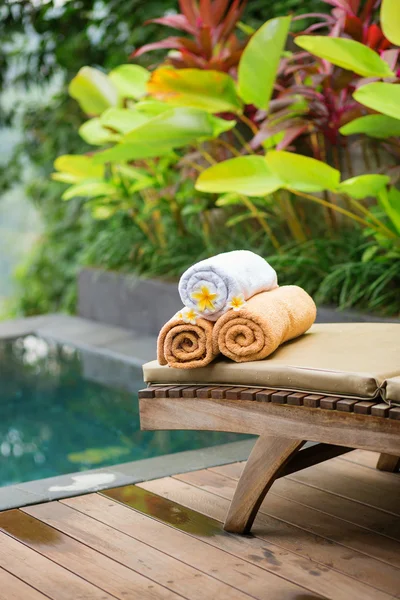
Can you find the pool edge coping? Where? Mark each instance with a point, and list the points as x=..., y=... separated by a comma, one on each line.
x=68, y=485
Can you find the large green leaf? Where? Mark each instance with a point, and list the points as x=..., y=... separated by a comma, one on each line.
x=212, y=91
x=130, y=80
x=376, y=126
x=93, y=90
x=348, y=54
x=90, y=189
x=390, y=20
x=390, y=202
x=122, y=120
x=75, y=168
x=247, y=175
x=260, y=61
x=382, y=97
x=363, y=186
x=93, y=132
x=160, y=135
x=302, y=173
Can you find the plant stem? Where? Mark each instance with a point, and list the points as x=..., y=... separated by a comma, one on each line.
x=263, y=223
x=228, y=146
x=249, y=123
x=341, y=210
x=241, y=139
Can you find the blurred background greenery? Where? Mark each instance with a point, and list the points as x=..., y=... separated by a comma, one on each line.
x=46, y=241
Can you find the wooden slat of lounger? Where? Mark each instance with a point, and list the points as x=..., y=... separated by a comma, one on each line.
x=364, y=407
x=161, y=568
x=43, y=574
x=265, y=395
x=355, y=539
x=205, y=392
x=267, y=557
x=92, y=566
x=394, y=413
x=12, y=588
x=380, y=410
x=219, y=393
x=250, y=393
x=296, y=399
x=199, y=496
x=329, y=402
x=362, y=484
x=279, y=397
x=346, y=405
x=234, y=393
x=176, y=392
x=147, y=392
x=191, y=391
x=193, y=549
x=312, y=401
x=162, y=391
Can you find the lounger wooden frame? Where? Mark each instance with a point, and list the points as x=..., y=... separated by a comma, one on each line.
x=284, y=422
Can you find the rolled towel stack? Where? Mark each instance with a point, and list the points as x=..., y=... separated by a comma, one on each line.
x=233, y=305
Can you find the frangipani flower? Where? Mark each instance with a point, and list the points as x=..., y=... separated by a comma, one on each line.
x=179, y=314
x=189, y=315
x=204, y=298
x=237, y=302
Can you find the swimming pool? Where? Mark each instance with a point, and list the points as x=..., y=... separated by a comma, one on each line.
x=64, y=410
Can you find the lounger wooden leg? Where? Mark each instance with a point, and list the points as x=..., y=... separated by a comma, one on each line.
x=387, y=462
x=269, y=455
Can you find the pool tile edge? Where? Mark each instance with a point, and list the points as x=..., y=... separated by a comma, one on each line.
x=85, y=482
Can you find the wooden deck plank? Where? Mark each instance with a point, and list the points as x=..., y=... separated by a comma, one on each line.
x=265, y=555
x=103, y=572
x=161, y=568
x=355, y=482
x=190, y=540
x=12, y=588
x=281, y=506
x=301, y=542
x=43, y=574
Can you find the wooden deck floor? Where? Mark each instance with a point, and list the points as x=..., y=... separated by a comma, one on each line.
x=330, y=531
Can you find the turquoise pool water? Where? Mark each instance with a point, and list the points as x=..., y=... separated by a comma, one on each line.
x=64, y=410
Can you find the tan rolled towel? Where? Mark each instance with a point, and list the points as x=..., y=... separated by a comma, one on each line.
x=266, y=321
x=186, y=345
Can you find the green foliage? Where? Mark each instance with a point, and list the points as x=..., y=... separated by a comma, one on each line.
x=260, y=61
x=376, y=126
x=390, y=17
x=345, y=53
x=136, y=204
x=382, y=97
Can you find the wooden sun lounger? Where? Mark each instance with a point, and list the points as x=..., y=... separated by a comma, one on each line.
x=284, y=421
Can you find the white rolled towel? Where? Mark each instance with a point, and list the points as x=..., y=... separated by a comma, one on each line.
x=213, y=286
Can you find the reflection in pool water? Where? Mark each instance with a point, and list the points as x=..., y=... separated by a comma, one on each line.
x=64, y=410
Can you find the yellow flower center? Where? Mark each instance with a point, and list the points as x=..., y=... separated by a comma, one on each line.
x=237, y=302
x=191, y=315
x=204, y=299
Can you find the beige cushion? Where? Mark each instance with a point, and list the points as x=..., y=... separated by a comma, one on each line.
x=344, y=359
x=393, y=390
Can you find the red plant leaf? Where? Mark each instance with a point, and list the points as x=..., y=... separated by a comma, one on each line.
x=291, y=134
x=219, y=10
x=205, y=40
x=374, y=36
x=176, y=22
x=391, y=57
x=169, y=42
x=354, y=28
x=232, y=17
x=190, y=10
x=206, y=12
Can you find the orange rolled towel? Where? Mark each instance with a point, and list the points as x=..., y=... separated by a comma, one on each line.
x=186, y=345
x=265, y=321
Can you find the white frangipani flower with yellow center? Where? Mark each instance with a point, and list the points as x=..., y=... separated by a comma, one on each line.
x=237, y=302
x=204, y=298
x=189, y=315
x=179, y=314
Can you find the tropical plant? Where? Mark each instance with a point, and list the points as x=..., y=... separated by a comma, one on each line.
x=211, y=26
